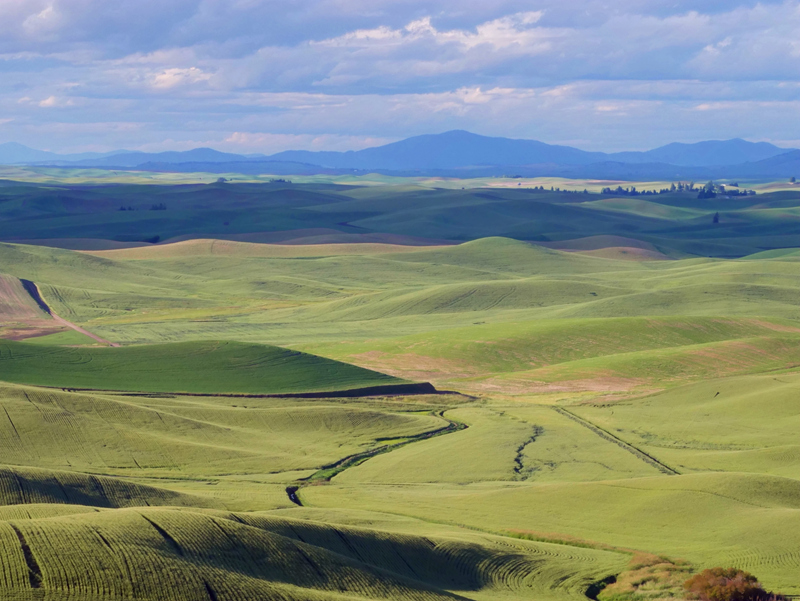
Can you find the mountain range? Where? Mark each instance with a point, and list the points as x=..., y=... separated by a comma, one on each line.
x=455, y=153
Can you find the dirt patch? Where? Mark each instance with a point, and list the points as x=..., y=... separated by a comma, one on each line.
x=774, y=326
x=598, y=243
x=414, y=367
x=625, y=253
x=27, y=331
x=598, y=384
x=16, y=305
x=207, y=247
x=323, y=236
x=79, y=243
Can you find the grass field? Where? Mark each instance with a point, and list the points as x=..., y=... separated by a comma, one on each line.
x=621, y=383
x=197, y=367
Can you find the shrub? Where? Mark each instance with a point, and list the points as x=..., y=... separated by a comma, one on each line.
x=727, y=584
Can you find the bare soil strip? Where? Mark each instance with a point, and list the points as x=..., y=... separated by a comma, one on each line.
x=36, y=295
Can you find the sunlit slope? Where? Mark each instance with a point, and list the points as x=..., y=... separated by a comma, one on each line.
x=745, y=424
x=514, y=444
x=231, y=248
x=294, y=300
x=20, y=315
x=197, y=367
x=745, y=520
x=15, y=302
x=190, y=437
x=147, y=554
x=642, y=351
x=493, y=308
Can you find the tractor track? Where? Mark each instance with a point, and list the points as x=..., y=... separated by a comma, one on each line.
x=606, y=435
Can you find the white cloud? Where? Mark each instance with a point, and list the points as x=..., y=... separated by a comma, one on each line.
x=332, y=73
x=56, y=101
x=511, y=30
x=169, y=78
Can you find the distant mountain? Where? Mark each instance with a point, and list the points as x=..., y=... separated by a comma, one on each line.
x=12, y=153
x=245, y=167
x=703, y=154
x=456, y=153
x=134, y=159
x=782, y=166
x=450, y=150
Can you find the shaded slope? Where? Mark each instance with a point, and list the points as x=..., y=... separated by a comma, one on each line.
x=150, y=554
x=745, y=520
x=25, y=486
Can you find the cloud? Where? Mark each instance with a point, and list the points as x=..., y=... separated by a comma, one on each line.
x=55, y=101
x=254, y=74
x=169, y=78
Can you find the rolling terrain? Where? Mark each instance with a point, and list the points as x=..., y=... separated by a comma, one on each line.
x=139, y=212
x=617, y=378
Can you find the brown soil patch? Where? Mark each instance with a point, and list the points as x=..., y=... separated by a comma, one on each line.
x=414, y=367
x=775, y=326
x=79, y=243
x=597, y=385
x=322, y=236
x=16, y=305
x=598, y=243
x=207, y=247
x=25, y=332
x=625, y=253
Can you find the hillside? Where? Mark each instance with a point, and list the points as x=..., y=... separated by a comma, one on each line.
x=197, y=367
x=622, y=376
x=98, y=217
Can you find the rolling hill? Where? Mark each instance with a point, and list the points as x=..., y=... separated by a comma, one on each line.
x=197, y=367
x=622, y=375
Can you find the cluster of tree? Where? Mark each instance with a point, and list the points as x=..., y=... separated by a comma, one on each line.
x=280, y=181
x=552, y=189
x=711, y=190
x=632, y=191
x=159, y=207
x=727, y=584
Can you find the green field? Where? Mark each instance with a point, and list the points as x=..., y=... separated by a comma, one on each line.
x=196, y=367
x=618, y=386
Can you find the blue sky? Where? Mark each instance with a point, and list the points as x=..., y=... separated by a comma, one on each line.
x=269, y=75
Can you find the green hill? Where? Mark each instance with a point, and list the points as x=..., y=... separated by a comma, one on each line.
x=146, y=554
x=631, y=369
x=196, y=367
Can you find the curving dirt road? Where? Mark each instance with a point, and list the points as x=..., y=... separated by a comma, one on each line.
x=36, y=295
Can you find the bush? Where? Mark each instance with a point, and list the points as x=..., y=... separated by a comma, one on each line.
x=727, y=584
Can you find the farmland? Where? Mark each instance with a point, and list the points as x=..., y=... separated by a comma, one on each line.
x=617, y=378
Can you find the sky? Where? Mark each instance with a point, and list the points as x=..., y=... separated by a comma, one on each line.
x=260, y=76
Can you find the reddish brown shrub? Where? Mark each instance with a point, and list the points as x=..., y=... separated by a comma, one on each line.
x=727, y=584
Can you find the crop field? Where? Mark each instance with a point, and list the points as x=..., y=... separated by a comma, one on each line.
x=617, y=387
x=198, y=367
